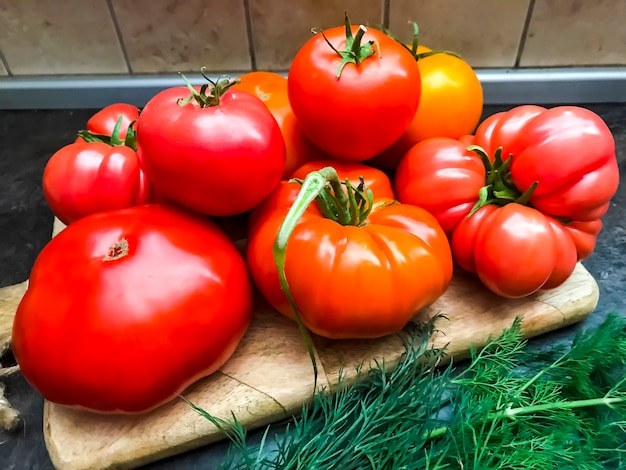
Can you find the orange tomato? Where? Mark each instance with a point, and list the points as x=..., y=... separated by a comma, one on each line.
x=450, y=106
x=271, y=88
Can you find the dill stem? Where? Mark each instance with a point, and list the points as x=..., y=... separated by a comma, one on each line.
x=524, y=410
x=564, y=405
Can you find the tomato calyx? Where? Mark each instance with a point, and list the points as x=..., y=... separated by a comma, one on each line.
x=348, y=207
x=114, y=139
x=415, y=45
x=499, y=189
x=355, y=52
x=210, y=94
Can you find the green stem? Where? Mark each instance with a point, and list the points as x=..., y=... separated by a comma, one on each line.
x=499, y=188
x=415, y=45
x=347, y=209
x=355, y=52
x=113, y=139
x=210, y=94
x=512, y=413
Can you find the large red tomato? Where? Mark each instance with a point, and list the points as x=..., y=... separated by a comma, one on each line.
x=125, y=309
x=88, y=177
x=356, y=103
x=355, y=279
x=218, y=154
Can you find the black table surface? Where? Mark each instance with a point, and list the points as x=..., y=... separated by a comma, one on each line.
x=29, y=138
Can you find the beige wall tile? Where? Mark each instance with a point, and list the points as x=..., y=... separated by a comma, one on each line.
x=576, y=32
x=3, y=70
x=486, y=33
x=184, y=35
x=59, y=37
x=278, y=32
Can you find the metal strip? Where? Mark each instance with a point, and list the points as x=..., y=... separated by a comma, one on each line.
x=501, y=86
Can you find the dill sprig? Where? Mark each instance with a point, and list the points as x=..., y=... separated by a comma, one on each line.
x=508, y=407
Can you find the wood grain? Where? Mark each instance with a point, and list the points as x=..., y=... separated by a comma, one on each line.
x=269, y=377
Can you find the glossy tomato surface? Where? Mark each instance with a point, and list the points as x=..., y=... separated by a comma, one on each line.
x=103, y=122
x=441, y=176
x=125, y=309
x=88, y=177
x=219, y=160
x=368, y=107
x=515, y=250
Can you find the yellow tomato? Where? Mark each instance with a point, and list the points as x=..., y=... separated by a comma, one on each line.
x=450, y=106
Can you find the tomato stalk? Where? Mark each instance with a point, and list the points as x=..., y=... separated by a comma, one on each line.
x=349, y=206
x=210, y=93
x=499, y=188
x=355, y=52
x=415, y=45
x=113, y=139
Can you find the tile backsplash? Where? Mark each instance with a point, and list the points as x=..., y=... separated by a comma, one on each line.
x=94, y=37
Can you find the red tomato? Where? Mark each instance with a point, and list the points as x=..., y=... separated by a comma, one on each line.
x=451, y=104
x=515, y=250
x=374, y=179
x=441, y=176
x=350, y=281
x=104, y=121
x=569, y=151
x=360, y=112
x=87, y=177
x=220, y=159
x=125, y=309
x=271, y=88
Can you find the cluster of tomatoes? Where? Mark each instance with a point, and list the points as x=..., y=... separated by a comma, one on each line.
x=362, y=178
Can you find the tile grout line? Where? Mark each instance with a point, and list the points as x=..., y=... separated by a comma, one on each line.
x=522, y=42
x=3, y=59
x=248, y=16
x=120, y=38
x=386, y=9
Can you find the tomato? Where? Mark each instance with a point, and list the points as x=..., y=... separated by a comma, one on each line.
x=221, y=157
x=271, y=88
x=125, y=309
x=515, y=250
x=568, y=151
x=351, y=281
x=451, y=104
x=374, y=179
x=87, y=177
x=356, y=111
x=103, y=122
x=441, y=176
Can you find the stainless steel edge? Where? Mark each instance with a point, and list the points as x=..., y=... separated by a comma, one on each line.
x=501, y=86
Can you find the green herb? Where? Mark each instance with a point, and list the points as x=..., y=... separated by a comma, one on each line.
x=509, y=407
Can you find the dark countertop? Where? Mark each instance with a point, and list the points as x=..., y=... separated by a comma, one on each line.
x=29, y=138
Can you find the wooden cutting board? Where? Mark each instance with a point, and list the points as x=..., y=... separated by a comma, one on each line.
x=270, y=376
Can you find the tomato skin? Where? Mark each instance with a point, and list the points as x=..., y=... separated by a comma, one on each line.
x=129, y=334
x=441, y=176
x=348, y=281
x=271, y=88
x=374, y=179
x=450, y=106
x=87, y=177
x=365, y=110
x=515, y=250
x=220, y=160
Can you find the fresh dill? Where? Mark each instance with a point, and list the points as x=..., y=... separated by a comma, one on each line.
x=508, y=407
